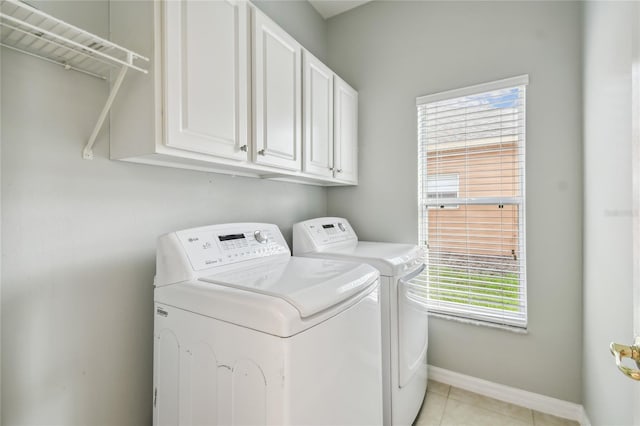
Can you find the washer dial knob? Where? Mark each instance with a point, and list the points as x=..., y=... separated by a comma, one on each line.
x=341, y=226
x=260, y=237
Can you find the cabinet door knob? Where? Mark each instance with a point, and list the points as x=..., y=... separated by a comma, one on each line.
x=331, y=168
x=261, y=152
x=339, y=170
x=243, y=148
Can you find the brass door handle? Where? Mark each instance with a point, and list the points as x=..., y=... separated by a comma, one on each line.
x=622, y=351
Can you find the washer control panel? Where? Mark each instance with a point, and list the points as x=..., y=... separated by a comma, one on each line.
x=220, y=245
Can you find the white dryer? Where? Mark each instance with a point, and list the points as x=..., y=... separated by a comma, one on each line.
x=245, y=334
x=404, y=315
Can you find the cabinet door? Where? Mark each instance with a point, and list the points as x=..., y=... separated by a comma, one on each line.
x=318, y=117
x=345, y=132
x=206, y=83
x=277, y=95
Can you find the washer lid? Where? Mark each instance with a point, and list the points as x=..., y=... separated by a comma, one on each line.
x=309, y=285
x=390, y=259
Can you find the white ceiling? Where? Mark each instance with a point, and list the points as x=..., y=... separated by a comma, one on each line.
x=329, y=8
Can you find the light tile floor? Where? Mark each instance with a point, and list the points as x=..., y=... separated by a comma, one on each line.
x=446, y=405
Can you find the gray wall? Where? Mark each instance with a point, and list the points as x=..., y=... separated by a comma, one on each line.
x=393, y=51
x=79, y=240
x=608, y=274
x=1, y=242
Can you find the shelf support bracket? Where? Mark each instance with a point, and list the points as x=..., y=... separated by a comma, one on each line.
x=87, y=153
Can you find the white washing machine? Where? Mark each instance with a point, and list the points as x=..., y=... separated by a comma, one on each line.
x=245, y=334
x=404, y=315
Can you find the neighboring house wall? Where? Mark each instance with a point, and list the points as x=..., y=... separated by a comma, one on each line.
x=496, y=236
x=483, y=171
x=79, y=239
x=393, y=51
x=609, y=29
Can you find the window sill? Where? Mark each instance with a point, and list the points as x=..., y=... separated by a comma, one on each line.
x=511, y=328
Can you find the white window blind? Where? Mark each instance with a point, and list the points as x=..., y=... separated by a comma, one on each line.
x=476, y=252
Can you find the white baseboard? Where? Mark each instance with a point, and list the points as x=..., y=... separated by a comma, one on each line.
x=533, y=401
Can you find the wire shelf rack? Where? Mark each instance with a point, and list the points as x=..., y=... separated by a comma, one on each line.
x=31, y=31
x=28, y=30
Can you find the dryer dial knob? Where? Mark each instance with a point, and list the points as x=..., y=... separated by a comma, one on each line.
x=341, y=226
x=260, y=237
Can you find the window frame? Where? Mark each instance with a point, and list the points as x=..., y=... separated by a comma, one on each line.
x=490, y=316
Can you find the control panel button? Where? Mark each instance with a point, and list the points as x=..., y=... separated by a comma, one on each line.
x=260, y=237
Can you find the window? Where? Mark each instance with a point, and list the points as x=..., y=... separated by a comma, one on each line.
x=471, y=156
x=441, y=187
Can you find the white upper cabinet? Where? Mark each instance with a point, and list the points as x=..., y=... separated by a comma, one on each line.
x=318, y=117
x=225, y=94
x=206, y=77
x=345, y=132
x=277, y=95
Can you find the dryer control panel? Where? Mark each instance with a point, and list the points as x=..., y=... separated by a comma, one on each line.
x=315, y=234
